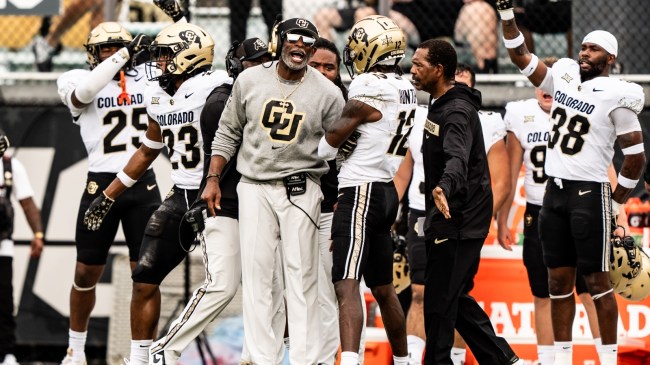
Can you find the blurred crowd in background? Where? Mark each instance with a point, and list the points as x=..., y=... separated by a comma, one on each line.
x=55, y=43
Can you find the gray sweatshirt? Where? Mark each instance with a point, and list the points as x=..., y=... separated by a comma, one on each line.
x=277, y=137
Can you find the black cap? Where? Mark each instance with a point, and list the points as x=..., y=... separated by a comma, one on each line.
x=300, y=26
x=251, y=49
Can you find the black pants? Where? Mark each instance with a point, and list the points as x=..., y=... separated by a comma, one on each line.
x=7, y=320
x=451, y=266
x=240, y=10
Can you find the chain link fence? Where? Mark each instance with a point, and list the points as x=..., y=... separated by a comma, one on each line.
x=551, y=27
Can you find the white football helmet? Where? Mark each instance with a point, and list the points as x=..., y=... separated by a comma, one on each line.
x=107, y=33
x=372, y=40
x=179, y=49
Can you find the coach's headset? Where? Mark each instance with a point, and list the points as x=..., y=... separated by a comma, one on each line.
x=234, y=65
x=282, y=27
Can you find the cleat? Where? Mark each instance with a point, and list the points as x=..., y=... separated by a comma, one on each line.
x=43, y=54
x=69, y=360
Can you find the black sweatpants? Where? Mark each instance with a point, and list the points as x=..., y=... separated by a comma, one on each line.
x=7, y=320
x=451, y=266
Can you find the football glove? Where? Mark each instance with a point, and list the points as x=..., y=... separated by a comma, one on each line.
x=97, y=211
x=504, y=5
x=349, y=145
x=139, y=49
x=171, y=8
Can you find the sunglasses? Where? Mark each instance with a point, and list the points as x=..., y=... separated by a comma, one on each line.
x=307, y=41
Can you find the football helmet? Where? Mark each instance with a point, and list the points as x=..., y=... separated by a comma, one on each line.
x=179, y=49
x=372, y=40
x=107, y=33
x=638, y=288
x=624, y=262
x=401, y=272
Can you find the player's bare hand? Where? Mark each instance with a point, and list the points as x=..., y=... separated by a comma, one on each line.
x=97, y=211
x=441, y=202
x=36, y=247
x=212, y=196
x=505, y=237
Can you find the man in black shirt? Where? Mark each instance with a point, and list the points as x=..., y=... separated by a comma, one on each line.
x=458, y=200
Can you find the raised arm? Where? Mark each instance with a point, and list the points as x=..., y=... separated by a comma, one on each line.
x=513, y=39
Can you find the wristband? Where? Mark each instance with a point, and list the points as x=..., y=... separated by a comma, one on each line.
x=125, y=179
x=627, y=183
x=507, y=14
x=532, y=66
x=39, y=235
x=515, y=42
x=218, y=176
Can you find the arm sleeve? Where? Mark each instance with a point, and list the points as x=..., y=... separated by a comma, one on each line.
x=457, y=142
x=100, y=76
x=211, y=113
x=231, y=125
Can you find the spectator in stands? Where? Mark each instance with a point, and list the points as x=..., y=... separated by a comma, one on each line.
x=240, y=10
x=421, y=19
x=45, y=47
x=13, y=178
x=339, y=19
x=477, y=25
x=545, y=17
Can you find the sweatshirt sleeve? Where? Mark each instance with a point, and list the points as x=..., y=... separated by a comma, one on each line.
x=457, y=142
x=231, y=126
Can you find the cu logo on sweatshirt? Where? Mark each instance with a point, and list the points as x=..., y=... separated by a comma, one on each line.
x=281, y=120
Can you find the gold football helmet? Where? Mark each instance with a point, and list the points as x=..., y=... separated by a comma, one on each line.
x=624, y=263
x=180, y=49
x=107, y=33
x=638, y=288
x=372, y=40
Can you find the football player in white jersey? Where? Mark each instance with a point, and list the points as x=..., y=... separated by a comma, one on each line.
x=381, y=107
x=529, y=129
x=112, y=121
x=181, y=59
x=590, y=113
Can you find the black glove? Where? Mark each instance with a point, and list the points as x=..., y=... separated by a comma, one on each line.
x=139, y=49
x=504, y=5
x=171, y=8
x=349, y=145
x=97, y=211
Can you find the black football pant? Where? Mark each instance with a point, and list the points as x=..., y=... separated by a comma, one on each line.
x=7, y=320
x=451, y=266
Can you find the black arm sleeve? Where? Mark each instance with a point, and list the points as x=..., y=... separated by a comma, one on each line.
x=210, y=115
x=457, y=141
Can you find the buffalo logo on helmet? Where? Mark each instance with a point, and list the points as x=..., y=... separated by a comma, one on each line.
x=629, y=267
x=190, y=37
x=359, y=35
x=302, y=23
